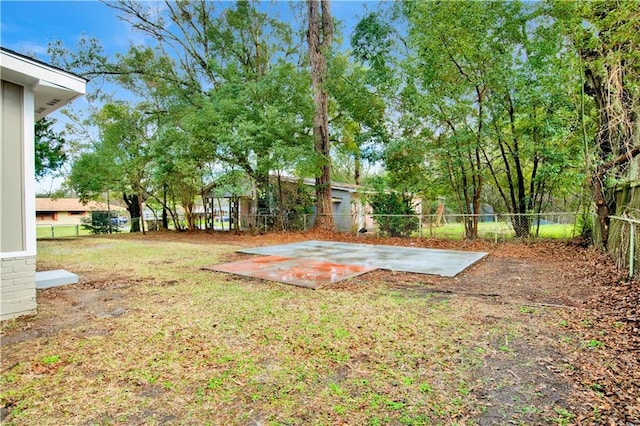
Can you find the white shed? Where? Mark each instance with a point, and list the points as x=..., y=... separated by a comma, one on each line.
x=30, y=90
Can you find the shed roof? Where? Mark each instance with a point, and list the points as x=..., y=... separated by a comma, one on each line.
x=340, y=186
x=72, y=205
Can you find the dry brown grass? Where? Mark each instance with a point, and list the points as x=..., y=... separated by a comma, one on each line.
x=149, y=338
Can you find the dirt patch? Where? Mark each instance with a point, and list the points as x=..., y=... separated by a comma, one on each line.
x=68, y=307
x=518, y=382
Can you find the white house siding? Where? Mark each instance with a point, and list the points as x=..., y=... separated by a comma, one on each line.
x=30, y=90
x=12, y=182
x=17, y=293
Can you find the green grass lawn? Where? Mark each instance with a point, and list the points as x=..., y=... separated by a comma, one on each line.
x=198, y=347
x=58, y=231
x=61, y=231
x=503, y=231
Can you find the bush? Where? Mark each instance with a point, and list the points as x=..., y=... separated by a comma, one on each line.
x=99, y=223
x=394, y=214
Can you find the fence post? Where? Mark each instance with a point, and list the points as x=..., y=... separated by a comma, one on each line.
x=632, y=246
x=77, y=230
x=53, y=233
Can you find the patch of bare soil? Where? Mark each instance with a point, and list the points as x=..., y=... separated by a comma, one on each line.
x=68, y=307
x=523, y=381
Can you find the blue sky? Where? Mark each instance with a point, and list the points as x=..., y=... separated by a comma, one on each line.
x=28, y=26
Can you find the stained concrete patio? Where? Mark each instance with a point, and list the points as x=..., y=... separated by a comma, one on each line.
x=300, y=272
x=447, y=263
x=313, y=264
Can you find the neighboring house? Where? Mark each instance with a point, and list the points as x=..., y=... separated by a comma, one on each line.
x=70, y=211
x=30, y=91
x=349, y=211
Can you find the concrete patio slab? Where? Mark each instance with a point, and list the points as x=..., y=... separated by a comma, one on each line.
x=446, y=263
x=55, y=278
x=300, y=272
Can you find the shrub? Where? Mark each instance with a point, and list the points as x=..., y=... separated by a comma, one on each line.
x=99, y=223
x=394, y=214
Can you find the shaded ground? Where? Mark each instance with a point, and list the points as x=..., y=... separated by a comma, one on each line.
x=536, y=333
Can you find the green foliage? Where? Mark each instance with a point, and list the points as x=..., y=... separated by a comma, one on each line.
x=585, y=224
x=394, y=214
x=407, y=166
x=594, y=344
x=99, y=223
x=563, y=416
x=49, y=148
x=119, y=161
x=91, y=175
x=357, y=109
x=51, y=359
x=477, y=101
x=295, y=204
x=374, y=44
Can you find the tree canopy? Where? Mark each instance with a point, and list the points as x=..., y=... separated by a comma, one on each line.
x=50, y=152
x=519, y=105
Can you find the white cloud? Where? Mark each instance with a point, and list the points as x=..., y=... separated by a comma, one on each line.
x=29, y=48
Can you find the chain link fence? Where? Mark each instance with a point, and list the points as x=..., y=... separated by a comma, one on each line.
x=496, y=227
x=624, y=244
x=59, y=231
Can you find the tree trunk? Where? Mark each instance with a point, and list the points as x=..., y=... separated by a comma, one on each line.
x=188, y=215
x=131, y=200
x=140, y=201
x=617, y=138
x=320, y=36
x=165, y=219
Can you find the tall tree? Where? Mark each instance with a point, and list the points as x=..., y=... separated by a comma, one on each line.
x=532, y=147
x=320, y=36
x=49, y=148
x=226, y=78
x=483, y=101
x=605, y=37
x=357, y=113
x=120, y=159
x=449, y=89
x=239, y=94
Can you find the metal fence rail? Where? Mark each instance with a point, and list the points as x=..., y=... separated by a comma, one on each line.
x=624, y=243
x=57, y=231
